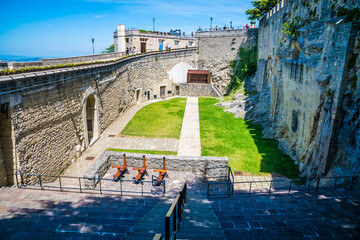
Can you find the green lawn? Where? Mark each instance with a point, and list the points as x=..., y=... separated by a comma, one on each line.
x=143, y=151
x=241, y=141
x=158, y=120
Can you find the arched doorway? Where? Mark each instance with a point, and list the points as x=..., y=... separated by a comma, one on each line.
x=91, y=117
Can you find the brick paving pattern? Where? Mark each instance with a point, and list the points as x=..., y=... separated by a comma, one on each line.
x=301, y=215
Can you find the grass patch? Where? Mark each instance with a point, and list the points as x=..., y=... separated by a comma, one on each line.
x=143, y=151
x=241, y=141
x=158, y=120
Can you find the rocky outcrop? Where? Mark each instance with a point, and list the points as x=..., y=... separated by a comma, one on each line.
x=308, y=92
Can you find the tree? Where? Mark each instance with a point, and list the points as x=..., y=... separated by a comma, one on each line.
x=261, y=7
x=109, y=49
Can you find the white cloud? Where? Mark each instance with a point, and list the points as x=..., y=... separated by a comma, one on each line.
x=99, y=16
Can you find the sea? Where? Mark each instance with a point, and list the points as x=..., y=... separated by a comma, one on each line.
x=14, y=58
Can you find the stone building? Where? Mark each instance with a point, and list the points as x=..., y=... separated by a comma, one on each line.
x=148, y=41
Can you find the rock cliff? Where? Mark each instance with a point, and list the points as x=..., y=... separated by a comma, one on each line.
x=307, y=82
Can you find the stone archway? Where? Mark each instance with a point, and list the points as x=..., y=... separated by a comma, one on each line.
x=91, y=117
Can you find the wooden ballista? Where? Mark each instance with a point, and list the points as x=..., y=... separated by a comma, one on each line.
x=141, y=172
x=120, y=170
x=162, y=173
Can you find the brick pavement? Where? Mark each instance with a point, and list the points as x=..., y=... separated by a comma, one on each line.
x=301, y=215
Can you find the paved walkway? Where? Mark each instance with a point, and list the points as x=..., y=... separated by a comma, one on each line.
x=189, y=144
x=141, y=143
x=110, y=139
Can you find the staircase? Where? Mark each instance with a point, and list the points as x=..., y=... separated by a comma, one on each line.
x=216, y=90
x=199, y=221
x=324, y=215
x=152, y=223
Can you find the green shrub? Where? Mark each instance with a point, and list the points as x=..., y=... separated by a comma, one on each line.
x=353, y=81
x=245, y=67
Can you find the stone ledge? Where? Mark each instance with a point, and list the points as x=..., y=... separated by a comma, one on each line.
x=217, y=165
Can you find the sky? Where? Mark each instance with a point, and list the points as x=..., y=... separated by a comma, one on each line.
x=64, y=28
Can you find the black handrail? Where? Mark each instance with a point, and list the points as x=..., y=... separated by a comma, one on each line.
x=61, y=187
x=175, y=211
x=230, y=184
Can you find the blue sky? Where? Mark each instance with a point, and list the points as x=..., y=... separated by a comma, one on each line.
x=60, y=28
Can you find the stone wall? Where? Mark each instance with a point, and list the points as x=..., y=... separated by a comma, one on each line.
x=60, y=61
x=3, y=175
x=307, y=99
x=218, y=48
x=47, y=110
x=211, y=166
x=198, y=90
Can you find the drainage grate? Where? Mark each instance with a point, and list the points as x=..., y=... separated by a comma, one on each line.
x=238, y=173
x=111, y=135
x=89, y=158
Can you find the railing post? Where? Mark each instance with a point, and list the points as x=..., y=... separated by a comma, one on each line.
x=60, y=184
x=164, y=188
x=352, y=181
x=290, y=187
x=17, y=181
x=80, y=185
x=40, y=182
x=250, y=189
x=174, y=218
x=335, y=182
x=317, y=184
x=179, y=209
x=121, y=186
x=22, y=179
x=167, y=228
x=100, y=185
x=270, y=188
x=228, y=187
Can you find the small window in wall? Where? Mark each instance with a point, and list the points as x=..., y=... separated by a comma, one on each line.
x=176, y=42
x=162, y=91
x=137, y=95
x=190, y=44
x=127, y=40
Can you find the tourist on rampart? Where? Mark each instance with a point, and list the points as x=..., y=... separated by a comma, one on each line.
x=134, y=50
x=216, y=28
x=199, y=28
x=127, y=51
x=183, y=34
x=225, y=27
x=192, y=34
x=247, y=26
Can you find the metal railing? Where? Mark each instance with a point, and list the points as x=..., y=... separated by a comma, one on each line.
x=174, y=213
x=227, y=28
x=308, y=186
x=158, y=186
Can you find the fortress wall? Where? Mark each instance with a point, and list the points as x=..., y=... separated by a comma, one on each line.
x=47, y=108
x=218, y=48
x=306, y=80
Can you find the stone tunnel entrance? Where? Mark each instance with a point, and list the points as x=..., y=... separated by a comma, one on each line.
x=91, y=118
